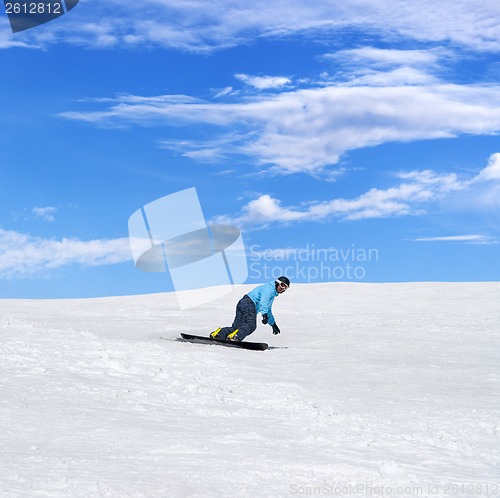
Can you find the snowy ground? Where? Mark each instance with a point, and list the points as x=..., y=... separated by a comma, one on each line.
x=371, y=389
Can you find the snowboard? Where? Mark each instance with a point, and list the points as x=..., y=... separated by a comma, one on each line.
x=198, y=339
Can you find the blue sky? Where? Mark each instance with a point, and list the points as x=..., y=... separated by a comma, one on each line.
x=356, y=142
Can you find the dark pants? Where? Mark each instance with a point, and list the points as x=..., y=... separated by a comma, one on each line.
x=245, y=320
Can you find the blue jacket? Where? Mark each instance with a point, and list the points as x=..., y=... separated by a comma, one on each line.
x=263, y=297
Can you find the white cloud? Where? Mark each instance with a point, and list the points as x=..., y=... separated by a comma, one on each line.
x=8, y=40
x=400, y=76
x=404, y=199
x=492, y=171
x=210, y=151
x=22, y=254
x=471, y=239
x=389, y=67
x=45, y=213
x=417, y=190
x=204, y=25
x=224, y=92
x=481, y=193
x=435, y=183
x=264, y=82
x=387, y=57
x=306, y=130
x=266, y=209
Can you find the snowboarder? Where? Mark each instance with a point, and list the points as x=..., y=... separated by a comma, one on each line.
x=259, y=300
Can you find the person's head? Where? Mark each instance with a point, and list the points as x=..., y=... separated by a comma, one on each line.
x=282, y=284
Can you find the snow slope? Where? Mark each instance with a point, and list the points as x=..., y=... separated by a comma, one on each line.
x=371, y=389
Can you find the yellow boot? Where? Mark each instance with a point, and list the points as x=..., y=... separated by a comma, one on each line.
x=232, y=336
x=213, y=335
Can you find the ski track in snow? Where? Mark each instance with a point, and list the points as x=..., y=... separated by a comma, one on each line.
x=371, y=389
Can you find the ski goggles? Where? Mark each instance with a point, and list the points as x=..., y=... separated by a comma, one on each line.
x=282, y=285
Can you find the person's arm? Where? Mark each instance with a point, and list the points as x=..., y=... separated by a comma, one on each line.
x=266, y=302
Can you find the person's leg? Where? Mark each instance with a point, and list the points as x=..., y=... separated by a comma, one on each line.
x=247, y=319
x=238, y=319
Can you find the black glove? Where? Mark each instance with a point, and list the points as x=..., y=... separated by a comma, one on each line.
x=276, y=329
x=264, y=318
